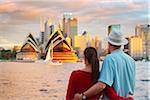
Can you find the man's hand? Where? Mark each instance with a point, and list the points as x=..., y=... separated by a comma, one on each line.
x=77, y=96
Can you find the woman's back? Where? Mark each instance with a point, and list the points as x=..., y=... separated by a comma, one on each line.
x=79, y=82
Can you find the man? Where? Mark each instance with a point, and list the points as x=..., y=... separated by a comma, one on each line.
x=118, y=70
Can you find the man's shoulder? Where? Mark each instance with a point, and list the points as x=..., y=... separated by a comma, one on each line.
x=129, y=57
x=109, y=57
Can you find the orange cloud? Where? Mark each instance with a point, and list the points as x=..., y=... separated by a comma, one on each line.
x=8, y=7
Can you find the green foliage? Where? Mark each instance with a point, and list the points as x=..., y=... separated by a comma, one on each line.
x=7, y=55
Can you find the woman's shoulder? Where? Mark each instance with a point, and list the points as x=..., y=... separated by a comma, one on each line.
x=76, y=72
x=80, y=72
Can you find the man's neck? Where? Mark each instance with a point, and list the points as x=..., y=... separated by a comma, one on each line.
x=114, y=50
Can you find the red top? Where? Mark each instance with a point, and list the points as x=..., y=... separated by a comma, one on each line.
x=81, y=81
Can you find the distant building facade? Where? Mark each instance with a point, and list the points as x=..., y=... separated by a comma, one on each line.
x=42, y=37
x=1, y=49
x=66, y=23
x=126, y=47
x=70, y=27
x=17, y=48
x=143, y=31
x=136, y=47
x=97, y=44
x=114, y=27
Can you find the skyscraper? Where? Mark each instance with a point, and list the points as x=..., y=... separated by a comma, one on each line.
x=136, y=47
x=144, y=32
x=73, y=28
x=41, y=31
x=51, y=29
x=114, y=27
x=66, y=22
x=42, y=37
x=47, y=25
x=70, y=26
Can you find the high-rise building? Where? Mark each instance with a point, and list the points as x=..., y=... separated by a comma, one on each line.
x=114, y=27
x=51, y=29
x=80, y=42
x=38, y=40
x=136, y=47
x=126, y=47
x=144, y=32
x=70, y=26
x=73, y=28
x=47, y=25
x=96, y=43
x=42, y=37
x=66, y=22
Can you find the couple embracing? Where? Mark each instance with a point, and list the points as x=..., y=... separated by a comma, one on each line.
x=115, y=81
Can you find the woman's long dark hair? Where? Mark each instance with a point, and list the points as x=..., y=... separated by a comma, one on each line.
x=90, y=55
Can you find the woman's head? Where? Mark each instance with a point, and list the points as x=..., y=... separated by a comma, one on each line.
x=90, y=56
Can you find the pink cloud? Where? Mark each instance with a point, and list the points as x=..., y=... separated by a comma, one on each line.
x=8, y=7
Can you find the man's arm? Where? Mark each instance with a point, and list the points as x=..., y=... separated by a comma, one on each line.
x=95, y=89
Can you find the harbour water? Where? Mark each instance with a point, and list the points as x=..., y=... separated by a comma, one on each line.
x=40, y=81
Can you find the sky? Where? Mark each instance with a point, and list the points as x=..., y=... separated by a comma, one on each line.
x=19, y=17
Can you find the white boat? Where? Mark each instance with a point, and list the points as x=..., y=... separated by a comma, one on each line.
x=53, y=62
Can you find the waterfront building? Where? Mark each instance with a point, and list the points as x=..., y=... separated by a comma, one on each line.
x=42, y=37
x=70, y=26
x=51, y=29
x=96, y=43
x=48, y=29
x=81, y=42
x=17, y=48
x=73, y=28
x=66, y=22
x=1, y=49
x=114, y=27
x=30, y=49
x=126, y=47
x=144, y=32
x=136, y=47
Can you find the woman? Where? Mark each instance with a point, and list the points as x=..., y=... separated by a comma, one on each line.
x=81, y=80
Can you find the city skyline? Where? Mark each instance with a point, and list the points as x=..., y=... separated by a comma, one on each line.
x=18, y=18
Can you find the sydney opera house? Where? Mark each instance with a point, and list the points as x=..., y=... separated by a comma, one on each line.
x=53, y=41
x=60, y=49
x=30, y=49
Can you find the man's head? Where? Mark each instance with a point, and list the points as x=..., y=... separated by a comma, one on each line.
x=112, y=47
x=116, y=40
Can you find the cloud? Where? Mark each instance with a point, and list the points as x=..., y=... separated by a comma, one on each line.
x=4, y=41
x=18, y=17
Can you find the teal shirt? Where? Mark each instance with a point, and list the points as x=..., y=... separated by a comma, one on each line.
x=118, y=71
